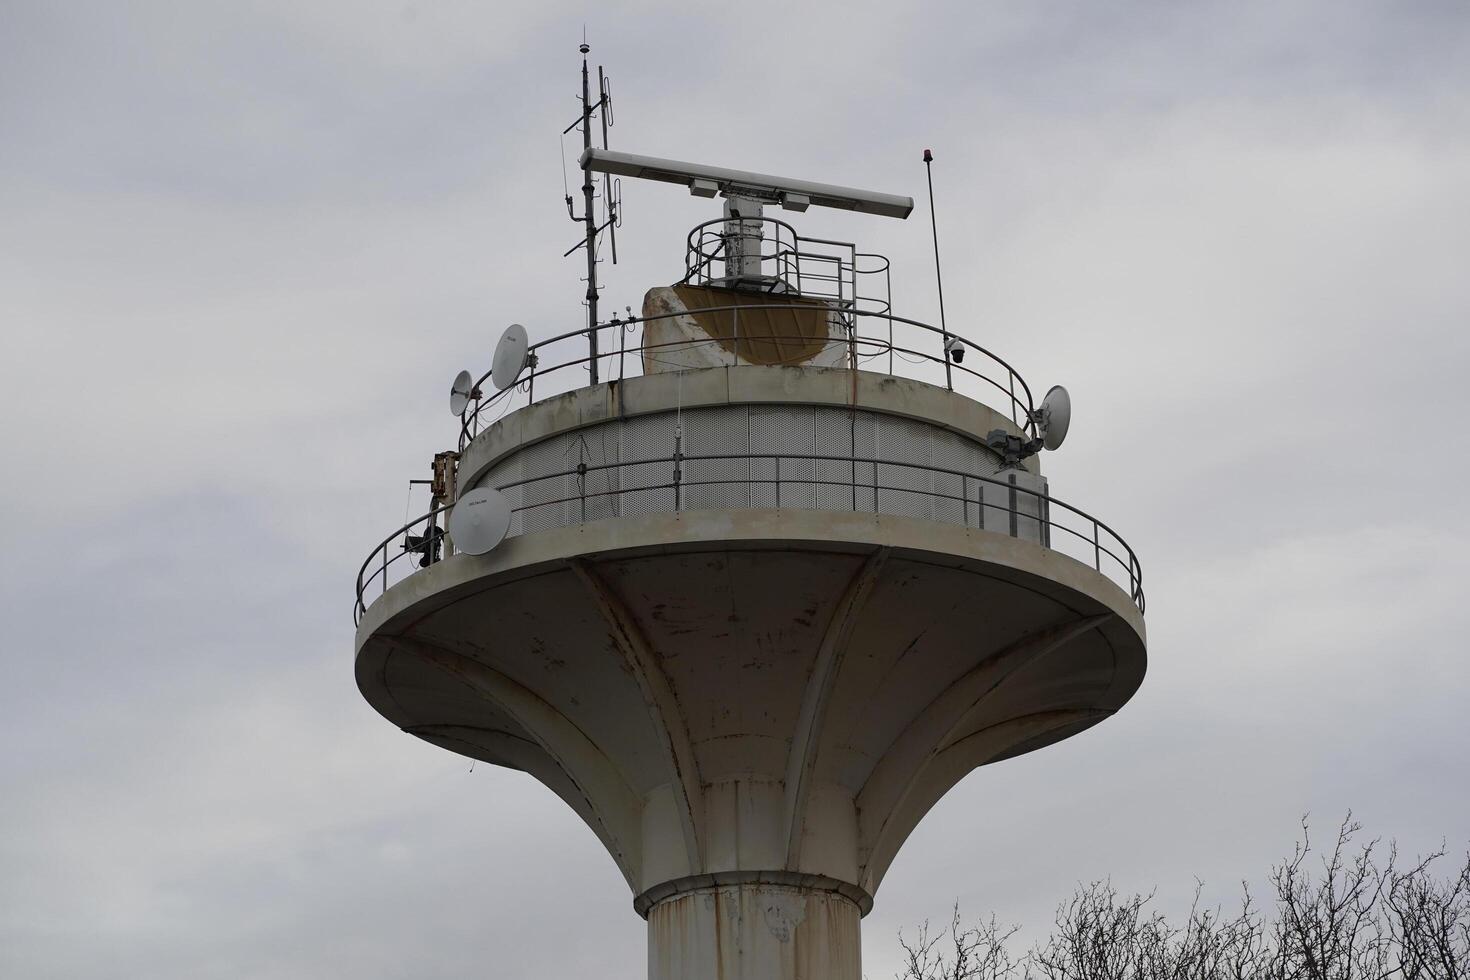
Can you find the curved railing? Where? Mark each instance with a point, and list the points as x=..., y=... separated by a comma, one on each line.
x=782, y=262
x=990, y=377
x=1030, y=514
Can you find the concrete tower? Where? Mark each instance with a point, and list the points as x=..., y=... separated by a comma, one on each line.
x=765, y=597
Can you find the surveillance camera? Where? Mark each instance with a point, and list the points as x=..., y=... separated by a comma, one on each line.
x=955, y=348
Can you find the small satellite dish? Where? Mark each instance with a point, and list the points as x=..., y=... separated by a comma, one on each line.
x=461, y=392
x=479, y=521
x=510, y=357
x=1056, y=416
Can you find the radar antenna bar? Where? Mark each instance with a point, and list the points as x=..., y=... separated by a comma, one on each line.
x=707, y=181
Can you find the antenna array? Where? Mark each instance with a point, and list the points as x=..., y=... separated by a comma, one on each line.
x=612, y=197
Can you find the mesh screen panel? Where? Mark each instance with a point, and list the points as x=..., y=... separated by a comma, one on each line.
x=833, y=434
x=948, y=451
x=717, y=484
x=786, y=429
x=650, y=438
x=637, y=469
x=904, y=490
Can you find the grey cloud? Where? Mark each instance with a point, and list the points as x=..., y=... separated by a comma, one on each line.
x=244, y=249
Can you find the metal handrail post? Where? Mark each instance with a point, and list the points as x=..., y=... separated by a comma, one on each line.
x=386, y=554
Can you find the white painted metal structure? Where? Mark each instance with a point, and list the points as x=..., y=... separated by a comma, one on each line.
x=751, y=622
x=707, y=181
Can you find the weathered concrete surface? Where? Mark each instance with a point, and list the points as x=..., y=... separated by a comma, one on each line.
x=677, y=335
x=752, y=709
x=755, y=932
x=730, y=386
x=723, y=691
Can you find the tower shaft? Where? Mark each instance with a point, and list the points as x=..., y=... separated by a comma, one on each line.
x=755, y=931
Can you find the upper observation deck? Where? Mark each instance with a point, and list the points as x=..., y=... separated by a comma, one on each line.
x=763, y=295
x=788, y=385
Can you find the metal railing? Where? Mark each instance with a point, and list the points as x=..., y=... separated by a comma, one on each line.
x=781, y=262
x=1058, y=526
x=989, y=377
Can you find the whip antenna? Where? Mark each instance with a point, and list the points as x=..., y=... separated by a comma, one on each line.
x=956, y=351
x=611, y=197
x=612, y=190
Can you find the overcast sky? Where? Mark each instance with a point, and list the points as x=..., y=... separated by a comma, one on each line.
x=244, y=247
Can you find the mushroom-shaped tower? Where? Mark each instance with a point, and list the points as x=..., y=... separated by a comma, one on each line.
x=763, y=600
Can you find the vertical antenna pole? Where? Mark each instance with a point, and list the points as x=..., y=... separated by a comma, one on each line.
x=604, y=101
x=591, y=220
x=938, y=278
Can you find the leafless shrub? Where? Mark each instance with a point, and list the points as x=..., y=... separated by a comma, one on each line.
x=1352, y=915
x=978, y=953
x=1429, y=922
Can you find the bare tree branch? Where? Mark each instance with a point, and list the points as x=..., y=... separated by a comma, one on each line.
x=1358, y=916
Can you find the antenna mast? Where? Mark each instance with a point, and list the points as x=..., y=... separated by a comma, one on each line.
x=591, y=221
x=589, y=217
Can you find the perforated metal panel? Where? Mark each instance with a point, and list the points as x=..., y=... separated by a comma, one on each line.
x=504, y=472
x=541, y=495
x=865, y=446
x=786, y=429
x=647, y=443
x=599, y=450
x=832, y=428
x=948, y=451
x=904, y=490
x=629, y=469
x=717, y=484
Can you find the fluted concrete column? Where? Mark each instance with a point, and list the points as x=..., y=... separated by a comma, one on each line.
x=755, y=931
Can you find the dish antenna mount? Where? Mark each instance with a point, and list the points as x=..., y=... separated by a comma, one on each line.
x=479, y=521
x=462, y=392
x=1050, y=423
x=511, y=357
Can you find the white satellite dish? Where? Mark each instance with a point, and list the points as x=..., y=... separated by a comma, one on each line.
x=1056, y=416
x=510, y=356
x=479, y=521
x=461, y=392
